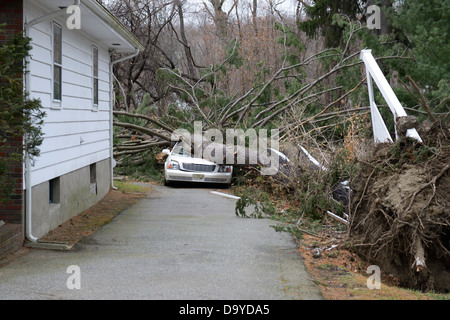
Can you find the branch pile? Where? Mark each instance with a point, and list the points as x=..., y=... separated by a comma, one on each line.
x=135, y=139
x=400, y=209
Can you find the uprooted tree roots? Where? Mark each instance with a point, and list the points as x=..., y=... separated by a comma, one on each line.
x=400, y=209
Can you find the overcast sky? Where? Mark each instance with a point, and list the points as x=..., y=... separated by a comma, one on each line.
x=282, y=5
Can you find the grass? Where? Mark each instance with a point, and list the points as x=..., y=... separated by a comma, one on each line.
x=129, y=187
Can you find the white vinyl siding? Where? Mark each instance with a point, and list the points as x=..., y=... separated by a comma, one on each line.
x=74, y=136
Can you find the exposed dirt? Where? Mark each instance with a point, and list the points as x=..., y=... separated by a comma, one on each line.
x=341, y=274
x=400, y=209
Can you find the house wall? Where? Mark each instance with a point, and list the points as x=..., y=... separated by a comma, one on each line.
x=76, y=132
x=11, y=213
x=76, y=193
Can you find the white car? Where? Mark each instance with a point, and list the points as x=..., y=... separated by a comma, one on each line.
x=181, y=166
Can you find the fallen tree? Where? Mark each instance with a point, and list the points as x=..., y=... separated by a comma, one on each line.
x=137, y=139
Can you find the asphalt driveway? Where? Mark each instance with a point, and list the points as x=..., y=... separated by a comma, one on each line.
x=179, y=243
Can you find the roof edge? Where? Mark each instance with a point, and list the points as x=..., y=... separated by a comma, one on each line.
x=101, y=11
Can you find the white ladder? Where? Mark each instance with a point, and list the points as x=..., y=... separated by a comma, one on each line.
x=380, y=131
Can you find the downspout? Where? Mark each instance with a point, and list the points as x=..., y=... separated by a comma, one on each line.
x=28, y=197
x=111, y=115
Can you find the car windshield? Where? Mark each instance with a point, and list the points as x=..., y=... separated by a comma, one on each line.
x=179, y=150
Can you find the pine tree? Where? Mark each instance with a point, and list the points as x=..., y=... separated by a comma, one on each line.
x=426, y=28
x=320, y=20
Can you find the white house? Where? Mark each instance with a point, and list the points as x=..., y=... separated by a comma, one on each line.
x=70, y=71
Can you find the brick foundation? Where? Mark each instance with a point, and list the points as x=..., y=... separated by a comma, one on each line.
x=11, y=239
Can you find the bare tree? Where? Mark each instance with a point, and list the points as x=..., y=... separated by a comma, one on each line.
x=220, y=18
x=148, y=20
x=187, y=49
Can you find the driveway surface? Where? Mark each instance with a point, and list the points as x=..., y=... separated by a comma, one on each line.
x=179, y=243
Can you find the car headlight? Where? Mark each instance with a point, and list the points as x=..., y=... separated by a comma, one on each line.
x=173, y=165
x=224, y=168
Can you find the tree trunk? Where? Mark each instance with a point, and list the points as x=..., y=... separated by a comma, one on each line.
x=220, y=20
x=419, y=255
x=187, y=51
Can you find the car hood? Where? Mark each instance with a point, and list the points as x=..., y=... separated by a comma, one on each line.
x=191, y=160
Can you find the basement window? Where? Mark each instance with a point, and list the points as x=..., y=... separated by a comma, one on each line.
x=93, y=178
x=54, y=191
